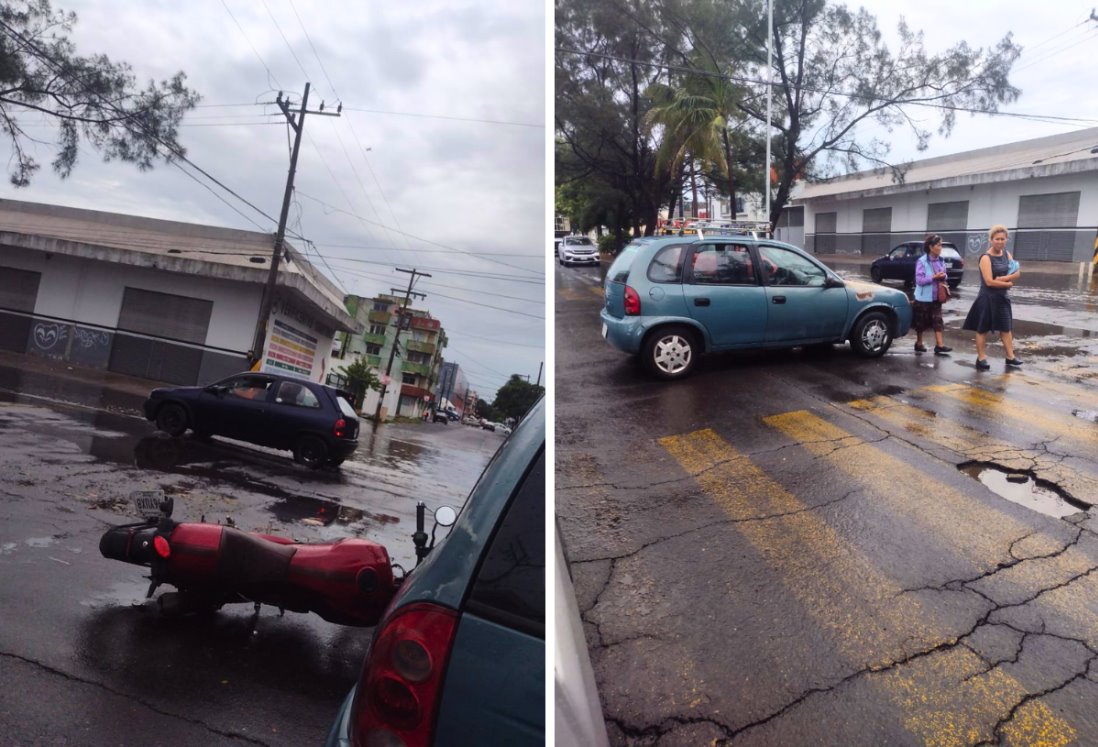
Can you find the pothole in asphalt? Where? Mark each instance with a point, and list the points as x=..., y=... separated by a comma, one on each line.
x=1024, y=489
x=1091, y=415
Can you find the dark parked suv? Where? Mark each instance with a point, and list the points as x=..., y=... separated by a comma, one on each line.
x=315, y=421
x=899, y=264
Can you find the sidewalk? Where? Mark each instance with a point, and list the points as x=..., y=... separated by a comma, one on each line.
x=61, y=380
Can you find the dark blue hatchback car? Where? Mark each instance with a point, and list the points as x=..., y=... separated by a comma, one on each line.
x=459, y=655
x=315, y=421
x=899, y=264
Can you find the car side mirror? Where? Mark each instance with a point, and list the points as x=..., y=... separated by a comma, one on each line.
x=445, y=516
x=217, y=391
x=833, y=282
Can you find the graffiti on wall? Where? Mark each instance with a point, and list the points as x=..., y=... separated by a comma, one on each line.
x=49, y=339
x=90, y=347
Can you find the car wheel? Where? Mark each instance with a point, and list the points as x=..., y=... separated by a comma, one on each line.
x=172, y=419
x=334, y=462
x=311, y=451
x=872, y=335
x=875, y=274
x=670, y=352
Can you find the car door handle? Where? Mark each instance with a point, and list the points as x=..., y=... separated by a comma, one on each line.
x=777, y=299
x=701, y=301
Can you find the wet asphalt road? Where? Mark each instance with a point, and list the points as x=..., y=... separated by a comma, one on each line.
x=793, y=549
x=85, y=660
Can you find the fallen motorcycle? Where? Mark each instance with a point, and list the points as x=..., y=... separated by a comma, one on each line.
x=348, y=582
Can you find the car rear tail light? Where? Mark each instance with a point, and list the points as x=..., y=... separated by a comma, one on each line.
x=398, y=692
x=632, y=302
x=340, y=428
x=960, y=263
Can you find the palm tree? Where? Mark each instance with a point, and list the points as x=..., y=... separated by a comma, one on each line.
x=695, y=119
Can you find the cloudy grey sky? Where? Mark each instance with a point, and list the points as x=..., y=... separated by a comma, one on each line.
x=437, y=163
x=1055, y=72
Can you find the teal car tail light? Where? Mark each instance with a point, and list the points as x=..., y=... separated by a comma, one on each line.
x=398, y=694
x=632, y=302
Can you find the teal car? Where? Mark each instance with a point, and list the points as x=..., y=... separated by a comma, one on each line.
x=459, y=655
x=673, y=299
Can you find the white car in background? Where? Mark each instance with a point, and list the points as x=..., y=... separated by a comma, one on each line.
x=577, y=250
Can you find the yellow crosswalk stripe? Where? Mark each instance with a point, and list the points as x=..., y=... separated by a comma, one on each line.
x=570, y=294
x=869, y=617
x=992, y=406
x=976, y=445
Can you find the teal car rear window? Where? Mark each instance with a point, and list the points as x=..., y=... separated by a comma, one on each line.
x=666, y=266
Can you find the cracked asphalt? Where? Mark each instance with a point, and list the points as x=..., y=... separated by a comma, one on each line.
x=792, y=548
x=86, y=660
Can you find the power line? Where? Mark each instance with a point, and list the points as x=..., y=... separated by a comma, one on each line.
x=417, y=238
x=126, y=115
x=442, y=116
x=759, y=81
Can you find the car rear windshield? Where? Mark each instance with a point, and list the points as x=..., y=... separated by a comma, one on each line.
x=948, y=251
x=345, y=407
x=619, y=270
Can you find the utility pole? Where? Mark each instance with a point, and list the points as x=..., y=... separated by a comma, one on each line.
x=401, y=317
x=256, y=353
x=540, y=366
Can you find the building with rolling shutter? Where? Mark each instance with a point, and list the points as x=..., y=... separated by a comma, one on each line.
x=1045, y=191
x=162, y=300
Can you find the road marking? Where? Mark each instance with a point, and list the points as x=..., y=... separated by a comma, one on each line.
x=571, y=294
x=797, y=541
x=992, y=406
x=976, y=445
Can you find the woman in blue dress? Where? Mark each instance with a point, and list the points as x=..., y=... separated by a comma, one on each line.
x=991, y=310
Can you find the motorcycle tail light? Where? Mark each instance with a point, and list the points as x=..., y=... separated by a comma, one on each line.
x=399, y=690
x=163, y=549
x=340, y=428
x=632, y=302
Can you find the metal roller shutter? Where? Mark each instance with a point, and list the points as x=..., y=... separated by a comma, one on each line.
x=876, y=230
x=950, y=219
x=825, y=232
x=1051, y=211
x=18, y=292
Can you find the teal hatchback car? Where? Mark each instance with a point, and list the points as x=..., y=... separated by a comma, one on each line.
x=673, y=299
x=459, y=655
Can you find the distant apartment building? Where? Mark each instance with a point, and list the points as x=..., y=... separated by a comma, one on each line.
x=416, y=359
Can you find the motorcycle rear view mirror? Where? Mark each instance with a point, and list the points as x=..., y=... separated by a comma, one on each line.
x=445, y=516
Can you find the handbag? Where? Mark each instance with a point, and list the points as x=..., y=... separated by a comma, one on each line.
x=943, y=292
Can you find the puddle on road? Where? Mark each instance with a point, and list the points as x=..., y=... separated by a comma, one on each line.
x=1024, y=489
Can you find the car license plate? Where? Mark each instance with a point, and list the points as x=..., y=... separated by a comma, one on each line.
x=147, y=502
x=604, y=330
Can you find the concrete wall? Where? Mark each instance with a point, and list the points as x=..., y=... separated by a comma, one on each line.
x=988, y=204
x=87, y=291
x=79, y=301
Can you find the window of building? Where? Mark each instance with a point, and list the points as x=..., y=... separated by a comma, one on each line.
x=408, y=378
x=372, y=348
x=381, y=306
x=377, y=329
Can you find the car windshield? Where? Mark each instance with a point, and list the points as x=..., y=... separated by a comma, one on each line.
x=619, y=271
x=580, y=240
